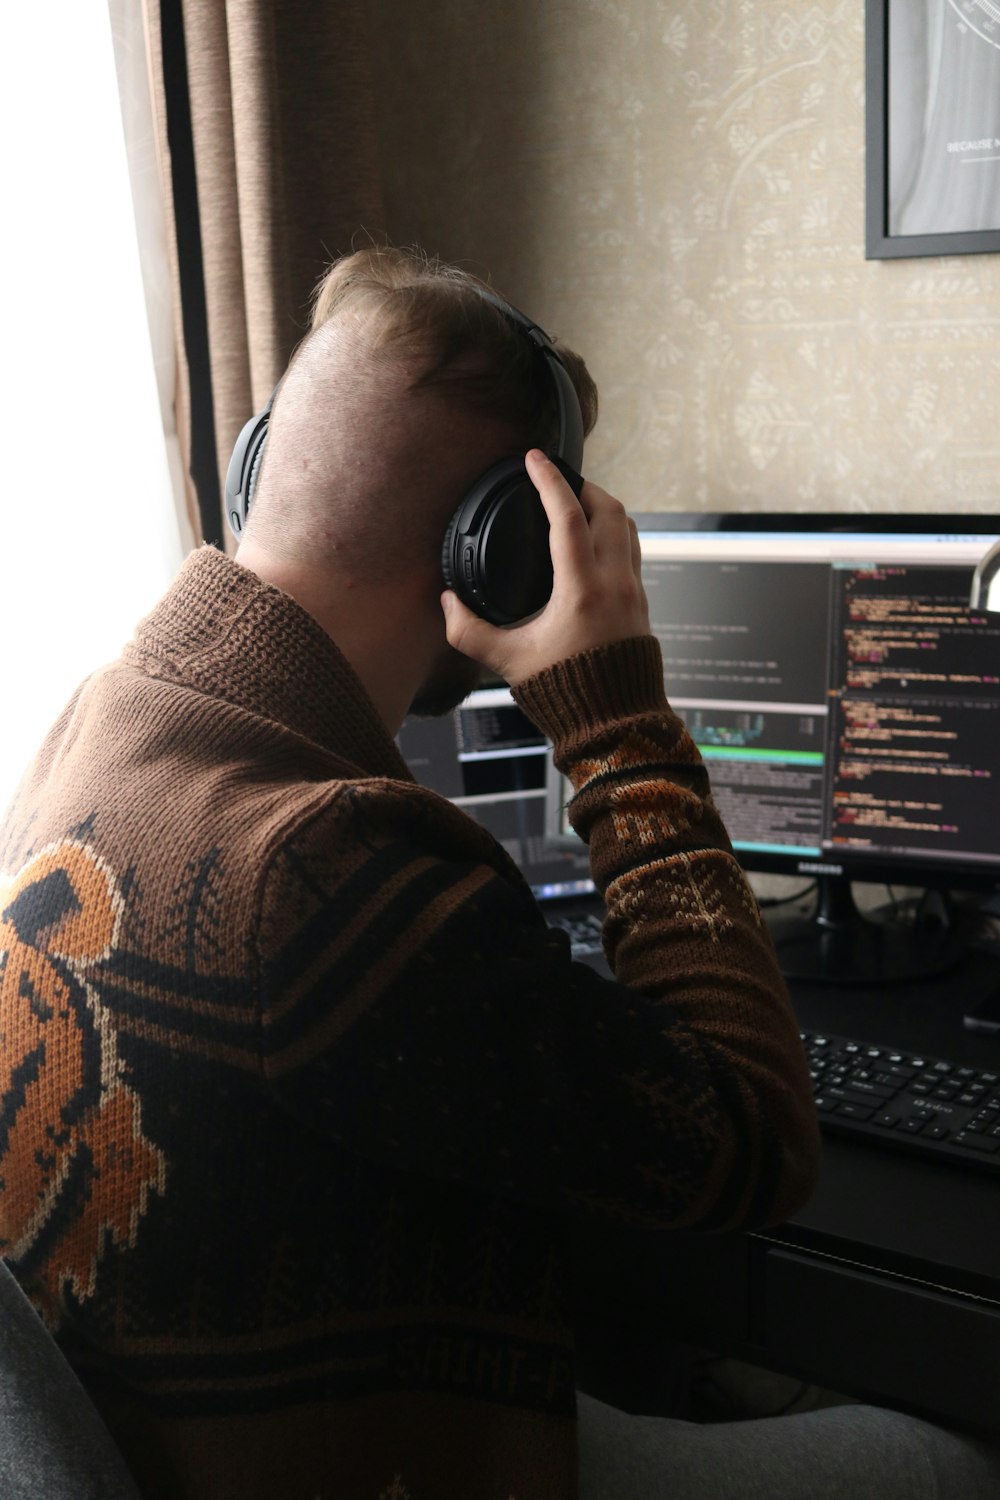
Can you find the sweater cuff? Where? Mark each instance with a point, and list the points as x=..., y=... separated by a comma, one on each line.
x=587, y=691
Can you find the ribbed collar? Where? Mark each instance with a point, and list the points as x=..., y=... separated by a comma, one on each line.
x=222, y=631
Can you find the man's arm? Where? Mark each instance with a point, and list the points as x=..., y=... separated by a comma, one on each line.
x=683, y=928
x=682, y=921
x=417, y=1011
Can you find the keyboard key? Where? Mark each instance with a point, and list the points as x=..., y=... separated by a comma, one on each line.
x=858, y=1112
x=859, y=1093
x=977, y=1142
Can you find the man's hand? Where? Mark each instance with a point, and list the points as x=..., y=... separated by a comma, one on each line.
x=597, y=593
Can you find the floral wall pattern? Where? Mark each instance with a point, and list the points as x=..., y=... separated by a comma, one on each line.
x=677, y=188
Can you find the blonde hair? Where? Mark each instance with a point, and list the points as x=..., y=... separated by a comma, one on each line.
x=436, y=316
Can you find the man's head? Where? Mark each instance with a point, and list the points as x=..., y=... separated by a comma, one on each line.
x=409, y=385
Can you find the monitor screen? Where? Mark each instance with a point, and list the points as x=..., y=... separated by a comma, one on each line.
x=489, y=759
x=845, y=699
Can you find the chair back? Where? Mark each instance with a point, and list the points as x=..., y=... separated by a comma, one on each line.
x=52, y=1440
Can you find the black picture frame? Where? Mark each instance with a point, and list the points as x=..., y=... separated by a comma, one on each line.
x=879, y=243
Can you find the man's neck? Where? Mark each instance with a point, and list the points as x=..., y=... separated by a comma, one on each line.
x=363, y=623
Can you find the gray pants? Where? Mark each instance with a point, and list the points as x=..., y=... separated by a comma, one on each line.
x=52, y=1442
x=838, y=1453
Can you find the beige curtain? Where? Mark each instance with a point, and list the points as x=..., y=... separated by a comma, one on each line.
x=269, y=165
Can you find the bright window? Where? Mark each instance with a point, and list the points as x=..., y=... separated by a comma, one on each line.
x=89, y=532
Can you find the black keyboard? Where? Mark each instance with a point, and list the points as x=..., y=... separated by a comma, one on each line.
x=928, y=1105
x=582, y=927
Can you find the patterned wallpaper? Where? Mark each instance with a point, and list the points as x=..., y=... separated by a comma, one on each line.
x=676, y=187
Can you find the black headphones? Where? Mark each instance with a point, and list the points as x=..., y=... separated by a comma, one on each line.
x=496, y=548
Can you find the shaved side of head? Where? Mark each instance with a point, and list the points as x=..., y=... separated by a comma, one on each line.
x=408, y=387
x=363, y=463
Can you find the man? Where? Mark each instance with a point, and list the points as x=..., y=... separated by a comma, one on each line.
x=302, y=1098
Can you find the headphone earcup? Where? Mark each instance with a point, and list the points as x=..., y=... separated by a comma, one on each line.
x=496, y=547
x=448, y=569
x=463, y=555
x=241, y=475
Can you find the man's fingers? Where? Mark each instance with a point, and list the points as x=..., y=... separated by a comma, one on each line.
x=609, y=528
x=467, y=632
x=636, y=548
x=550, y=484
x=569, y=532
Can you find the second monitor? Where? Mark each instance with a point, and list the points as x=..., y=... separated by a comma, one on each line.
x=845, y=698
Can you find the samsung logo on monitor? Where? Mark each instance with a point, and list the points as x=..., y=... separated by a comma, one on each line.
x=805, y=868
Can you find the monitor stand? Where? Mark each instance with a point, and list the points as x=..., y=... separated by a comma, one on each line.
x=837, y=944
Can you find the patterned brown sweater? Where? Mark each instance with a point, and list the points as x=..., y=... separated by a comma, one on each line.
x=301, y=1099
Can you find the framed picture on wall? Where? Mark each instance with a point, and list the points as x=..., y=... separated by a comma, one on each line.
x=932, y=127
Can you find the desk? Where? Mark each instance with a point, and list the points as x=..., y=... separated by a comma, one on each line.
x=886, y=1285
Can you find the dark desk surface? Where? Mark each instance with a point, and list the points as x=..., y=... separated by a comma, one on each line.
x=920, y=1217
x=886, y=1284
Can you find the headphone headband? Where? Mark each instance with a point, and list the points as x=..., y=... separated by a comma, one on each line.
x=569, y=443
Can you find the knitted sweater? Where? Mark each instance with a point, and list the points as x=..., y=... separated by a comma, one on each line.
x=300, y=1097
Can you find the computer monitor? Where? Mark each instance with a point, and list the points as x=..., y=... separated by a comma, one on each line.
x=845, y=700
x=488, y=758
